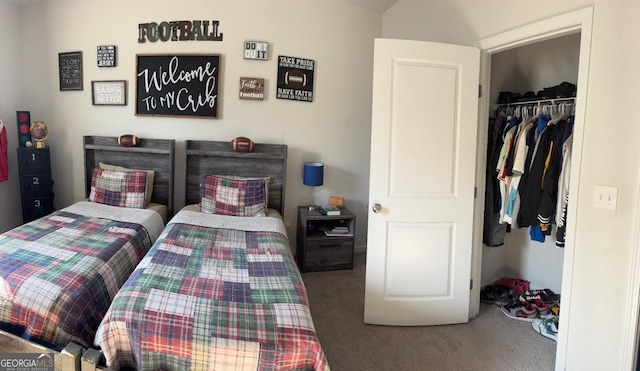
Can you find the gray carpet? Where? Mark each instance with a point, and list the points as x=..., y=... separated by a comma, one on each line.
x=491, y=341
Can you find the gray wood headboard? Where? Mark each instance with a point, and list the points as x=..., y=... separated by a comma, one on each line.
x=217, y=158
x=150, y=154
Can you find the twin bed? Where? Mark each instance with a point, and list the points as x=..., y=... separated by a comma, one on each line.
x=219, y=288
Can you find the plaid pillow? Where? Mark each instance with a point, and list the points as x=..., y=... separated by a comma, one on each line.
x=150, y=177
x=118, y=188
x=235, y=197
x=267, y=180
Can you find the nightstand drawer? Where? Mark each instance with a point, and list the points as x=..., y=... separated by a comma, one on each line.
x=36, y=184
x=34, y=208
x=333, y=253
x=33, y=160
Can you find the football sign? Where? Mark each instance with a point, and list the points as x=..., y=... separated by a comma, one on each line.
x=295, y=78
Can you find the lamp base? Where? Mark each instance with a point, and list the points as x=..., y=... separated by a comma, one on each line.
x=313, y=206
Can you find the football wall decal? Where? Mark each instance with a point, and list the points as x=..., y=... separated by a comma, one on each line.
x=242, y=144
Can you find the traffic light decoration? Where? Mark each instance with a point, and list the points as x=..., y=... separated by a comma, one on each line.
x=24, y=124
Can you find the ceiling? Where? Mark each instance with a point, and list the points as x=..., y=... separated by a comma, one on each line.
x=378, y=5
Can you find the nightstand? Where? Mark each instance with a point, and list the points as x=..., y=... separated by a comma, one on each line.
x=325, y=242
x=36, y=185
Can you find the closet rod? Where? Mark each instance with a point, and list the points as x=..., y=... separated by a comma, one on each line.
x=552, y=101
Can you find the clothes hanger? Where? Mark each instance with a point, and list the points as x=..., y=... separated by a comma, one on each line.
x=557, y=115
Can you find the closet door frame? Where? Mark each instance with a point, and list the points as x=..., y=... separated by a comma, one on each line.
x=579, y=21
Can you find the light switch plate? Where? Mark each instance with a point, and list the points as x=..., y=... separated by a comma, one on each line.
x=605, y=197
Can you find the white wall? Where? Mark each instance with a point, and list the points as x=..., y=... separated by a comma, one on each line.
x=11, y=100
x=604, y=239
x=334, y=129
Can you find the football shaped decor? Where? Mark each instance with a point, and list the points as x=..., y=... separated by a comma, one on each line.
x=128, y=140
x=242, y=144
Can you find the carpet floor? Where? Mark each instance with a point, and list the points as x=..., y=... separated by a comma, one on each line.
x=491, y=341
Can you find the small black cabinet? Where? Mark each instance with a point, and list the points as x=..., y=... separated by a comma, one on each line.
x=36, y=184
x=318, y=249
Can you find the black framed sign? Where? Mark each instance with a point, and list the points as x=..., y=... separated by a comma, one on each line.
x=109, y=93
x=177, y=85
x=70, y=70
x=295, y=78
x=106, y=55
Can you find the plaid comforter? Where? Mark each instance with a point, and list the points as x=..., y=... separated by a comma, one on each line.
x=58, y=274
x=214, y=293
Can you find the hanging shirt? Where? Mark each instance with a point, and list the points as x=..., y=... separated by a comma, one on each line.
x=518, y=168
x=4, y=160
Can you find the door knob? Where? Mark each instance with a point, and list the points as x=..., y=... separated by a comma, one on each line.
x=376, y=208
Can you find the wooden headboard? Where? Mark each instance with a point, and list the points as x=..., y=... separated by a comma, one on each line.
x=217, y=158
x=150, y=154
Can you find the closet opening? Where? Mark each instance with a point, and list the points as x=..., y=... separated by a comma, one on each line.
x=527, y=166
x=520, y=61
x=526, y=83
x=528, y=152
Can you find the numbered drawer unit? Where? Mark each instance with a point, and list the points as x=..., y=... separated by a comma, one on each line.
x=318, y=251
x=36, y=184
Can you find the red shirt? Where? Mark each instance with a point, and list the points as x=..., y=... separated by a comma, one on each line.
x=4, y=160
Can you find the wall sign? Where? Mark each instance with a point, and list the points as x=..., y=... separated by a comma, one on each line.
x=177, y=85
x=179, y=31
x=256, y=50
x=251, y=88
x=295, y=78
x=109, y=93
x=70, y=70
x=106, y=56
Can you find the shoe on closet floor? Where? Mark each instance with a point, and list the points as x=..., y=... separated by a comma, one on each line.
x=536, y=302
x=498, y=295
x=554, y=310
x=546, y=295
x=547, y=327
x=521, y=312
x=519, y=285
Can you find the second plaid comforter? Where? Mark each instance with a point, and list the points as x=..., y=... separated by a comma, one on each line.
x=214, y=293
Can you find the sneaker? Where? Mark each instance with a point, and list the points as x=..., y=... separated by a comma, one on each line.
x=546, y=327
x=536, y=302
x=498, y=295
x=522, y=311
x=555, y=309
x=546, y=295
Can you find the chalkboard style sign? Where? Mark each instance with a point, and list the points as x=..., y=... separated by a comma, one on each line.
x=70, y=69
x=295, y=78
x=177, y=85
x=106, y=56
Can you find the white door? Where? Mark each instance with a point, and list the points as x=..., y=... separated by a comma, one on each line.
x=423, y=157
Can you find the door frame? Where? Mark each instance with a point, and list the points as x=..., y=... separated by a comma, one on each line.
x=631, y=340
x=579, y=21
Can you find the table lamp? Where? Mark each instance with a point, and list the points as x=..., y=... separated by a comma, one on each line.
x=313, y=176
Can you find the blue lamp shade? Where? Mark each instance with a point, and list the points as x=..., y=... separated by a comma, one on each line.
x=313, y=174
